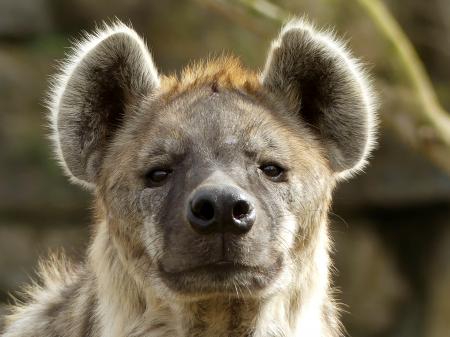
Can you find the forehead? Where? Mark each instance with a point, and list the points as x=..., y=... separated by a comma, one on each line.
x=216, y=120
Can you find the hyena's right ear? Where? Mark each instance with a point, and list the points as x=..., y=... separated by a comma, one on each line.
x=107, y=74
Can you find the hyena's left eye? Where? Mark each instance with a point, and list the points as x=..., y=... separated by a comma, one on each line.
x=157, y=177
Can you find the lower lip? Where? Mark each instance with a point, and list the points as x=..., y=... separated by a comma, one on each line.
x=219, y=266
x=223, y=263
x=216, y=277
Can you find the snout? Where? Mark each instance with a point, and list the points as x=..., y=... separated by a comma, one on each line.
x=220, y=209
x=220, y=237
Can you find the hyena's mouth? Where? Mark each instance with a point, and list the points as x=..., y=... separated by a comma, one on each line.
x=225, y=277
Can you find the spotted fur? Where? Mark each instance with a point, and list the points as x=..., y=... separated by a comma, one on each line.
x=113, y=116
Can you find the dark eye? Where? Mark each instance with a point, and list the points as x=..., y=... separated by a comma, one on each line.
x=272, y=171
x=157, y=177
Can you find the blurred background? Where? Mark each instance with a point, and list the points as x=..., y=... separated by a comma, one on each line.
x=391, y=225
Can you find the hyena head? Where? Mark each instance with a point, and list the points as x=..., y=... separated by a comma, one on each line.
x=217, y=181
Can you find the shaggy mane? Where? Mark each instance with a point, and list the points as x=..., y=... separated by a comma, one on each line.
x=222, y=72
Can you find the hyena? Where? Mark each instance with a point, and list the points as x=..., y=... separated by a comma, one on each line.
x=212, y=189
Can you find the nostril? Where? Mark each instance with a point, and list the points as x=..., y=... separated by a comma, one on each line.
x=241, y=209
x=203, y=209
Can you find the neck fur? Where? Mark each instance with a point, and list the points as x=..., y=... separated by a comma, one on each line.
x=129, y=307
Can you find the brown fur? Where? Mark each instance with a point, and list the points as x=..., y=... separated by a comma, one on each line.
x=226, y=72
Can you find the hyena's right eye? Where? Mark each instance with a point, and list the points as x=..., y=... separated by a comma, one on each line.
x=157, y=177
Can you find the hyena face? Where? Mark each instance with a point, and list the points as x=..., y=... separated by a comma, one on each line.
x=219, y=185
x=220, y=179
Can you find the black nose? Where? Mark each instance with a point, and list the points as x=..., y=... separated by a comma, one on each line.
x=220, y=209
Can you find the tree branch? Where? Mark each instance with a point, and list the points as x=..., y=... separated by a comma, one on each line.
x=432, y=123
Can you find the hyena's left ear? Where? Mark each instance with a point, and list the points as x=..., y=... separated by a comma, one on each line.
x=325, y=87
x=108, y=74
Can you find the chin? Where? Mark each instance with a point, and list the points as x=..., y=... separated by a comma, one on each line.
x=223, y=278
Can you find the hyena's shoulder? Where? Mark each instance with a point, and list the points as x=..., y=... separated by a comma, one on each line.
x=61, y=303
